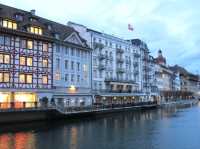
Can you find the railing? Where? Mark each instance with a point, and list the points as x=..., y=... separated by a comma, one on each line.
x=119, y=50
x=12, y=106
x=101, y=106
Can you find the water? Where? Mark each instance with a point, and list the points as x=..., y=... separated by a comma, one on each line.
x=172, y=128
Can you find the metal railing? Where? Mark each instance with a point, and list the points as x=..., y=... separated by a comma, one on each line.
x=14, y=106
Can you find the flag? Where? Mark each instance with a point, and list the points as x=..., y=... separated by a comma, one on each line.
x=130, y=27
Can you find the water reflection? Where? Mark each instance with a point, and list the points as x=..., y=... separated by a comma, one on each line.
x=137, y=129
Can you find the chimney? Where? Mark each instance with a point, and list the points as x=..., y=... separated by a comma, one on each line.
x=33, y=11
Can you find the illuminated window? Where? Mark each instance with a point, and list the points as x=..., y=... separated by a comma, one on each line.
x=40, y=31
x=22, y=60
x=30, y=44
x=22, y=78
x=6, y=77
x=45, y=47
x=57, y=76
x=35, y=30
x=45, y=63
x=9, y=24
x=7, y=59
x=5, y=23
x=44, y=79
x=32, y=29
x=29, y=78
x=1, y=58
x=29, y=61
x=1, y=77
x=14, y=25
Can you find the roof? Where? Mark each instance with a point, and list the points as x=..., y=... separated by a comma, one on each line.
x=55, y=28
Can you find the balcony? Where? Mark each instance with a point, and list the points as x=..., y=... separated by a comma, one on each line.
x=102, y=56
x=119, y=50
x=119, y=80
x=120, y=60
x=101, y=67
x=98, y=45
x=120, y=70
x=146, y=68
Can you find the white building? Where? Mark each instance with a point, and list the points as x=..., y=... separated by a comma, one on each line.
x=119, y=67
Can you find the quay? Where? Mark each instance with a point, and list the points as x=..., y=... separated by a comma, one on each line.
x=43, y=112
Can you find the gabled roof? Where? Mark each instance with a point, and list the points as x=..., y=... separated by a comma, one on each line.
x=55, y=28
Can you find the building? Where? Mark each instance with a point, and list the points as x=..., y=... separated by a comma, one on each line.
x=188, y=82
x=120, y=68
x=164, y=76
x=35, y=61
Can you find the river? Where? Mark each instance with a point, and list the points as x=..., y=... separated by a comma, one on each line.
x=172, y=128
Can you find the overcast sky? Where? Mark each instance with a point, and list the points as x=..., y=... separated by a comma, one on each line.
x=170, y=25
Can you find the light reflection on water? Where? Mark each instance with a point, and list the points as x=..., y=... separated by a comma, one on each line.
x=155, y=129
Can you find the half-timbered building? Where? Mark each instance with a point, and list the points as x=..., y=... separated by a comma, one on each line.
x=28, y=45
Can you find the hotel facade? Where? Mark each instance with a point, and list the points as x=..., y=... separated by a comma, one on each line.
x=121, y=69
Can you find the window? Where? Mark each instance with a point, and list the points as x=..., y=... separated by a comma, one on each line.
x=29, y=78
x=72, y=65
x=1, y=40
x=30, y=44
x=29, y=61
x=57, y=76
x=45, y=79
x=23, y=44
x=19, y=17
x=5, y=58
x=4, y=77
x=78, y=66
x=22, y=60
x=66, y=77
x=72, y=52
x=78, y=78
x=57, y=48
x=22, y=78
x=44, y=63
x=66, y=64
x=35, y=30
x=57, y=63
x=9, y=24
x=1, y=77
x=1, y=58
x=66, y=51
x=45, y=47
x=72, y=78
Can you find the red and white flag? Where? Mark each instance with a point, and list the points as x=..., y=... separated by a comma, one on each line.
x=130, y=27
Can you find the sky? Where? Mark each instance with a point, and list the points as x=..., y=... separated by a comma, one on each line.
x=169, y=25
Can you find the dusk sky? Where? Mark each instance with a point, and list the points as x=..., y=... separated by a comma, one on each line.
x=170, y=25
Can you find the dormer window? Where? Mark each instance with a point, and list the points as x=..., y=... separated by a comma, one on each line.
x=56, y=36
x=35, y=30
x=49, y=27
x=9, y=24
x=19, y=17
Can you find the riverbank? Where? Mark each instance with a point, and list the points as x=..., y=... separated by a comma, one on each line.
x=179, y=103
x=53, y=113
x=57, y=113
